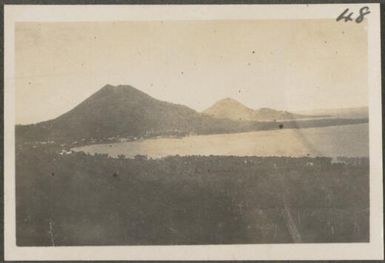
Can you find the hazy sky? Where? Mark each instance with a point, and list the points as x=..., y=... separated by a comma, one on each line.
x=287, y=65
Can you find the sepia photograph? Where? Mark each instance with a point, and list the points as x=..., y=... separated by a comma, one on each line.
x=196, y=130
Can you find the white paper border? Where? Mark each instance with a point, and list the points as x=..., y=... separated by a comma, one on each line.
x=331, y=251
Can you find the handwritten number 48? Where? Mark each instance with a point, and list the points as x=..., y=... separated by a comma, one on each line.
x=347, y=16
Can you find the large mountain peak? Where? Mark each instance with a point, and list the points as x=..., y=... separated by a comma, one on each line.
x=118, y=90
x=120, y=110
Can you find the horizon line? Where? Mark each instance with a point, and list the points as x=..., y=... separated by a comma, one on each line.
x=198, y=111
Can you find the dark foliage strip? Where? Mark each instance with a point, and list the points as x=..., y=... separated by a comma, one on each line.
x=79, y=199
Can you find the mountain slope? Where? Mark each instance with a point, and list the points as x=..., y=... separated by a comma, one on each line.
x=125, y=110
x=120, y=111
x=231, y=109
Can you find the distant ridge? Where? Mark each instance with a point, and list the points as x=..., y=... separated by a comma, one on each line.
x=125, y=112
x=350, y=113
x=231, y=109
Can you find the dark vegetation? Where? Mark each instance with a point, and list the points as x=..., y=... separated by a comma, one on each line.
x=125, y=112
x=78, y=199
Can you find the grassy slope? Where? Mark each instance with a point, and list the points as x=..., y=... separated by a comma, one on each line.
x=95, y=200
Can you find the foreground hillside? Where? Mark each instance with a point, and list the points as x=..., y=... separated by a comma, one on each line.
x=79, y=199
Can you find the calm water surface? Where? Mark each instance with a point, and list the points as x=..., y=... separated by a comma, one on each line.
x=348, y=140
